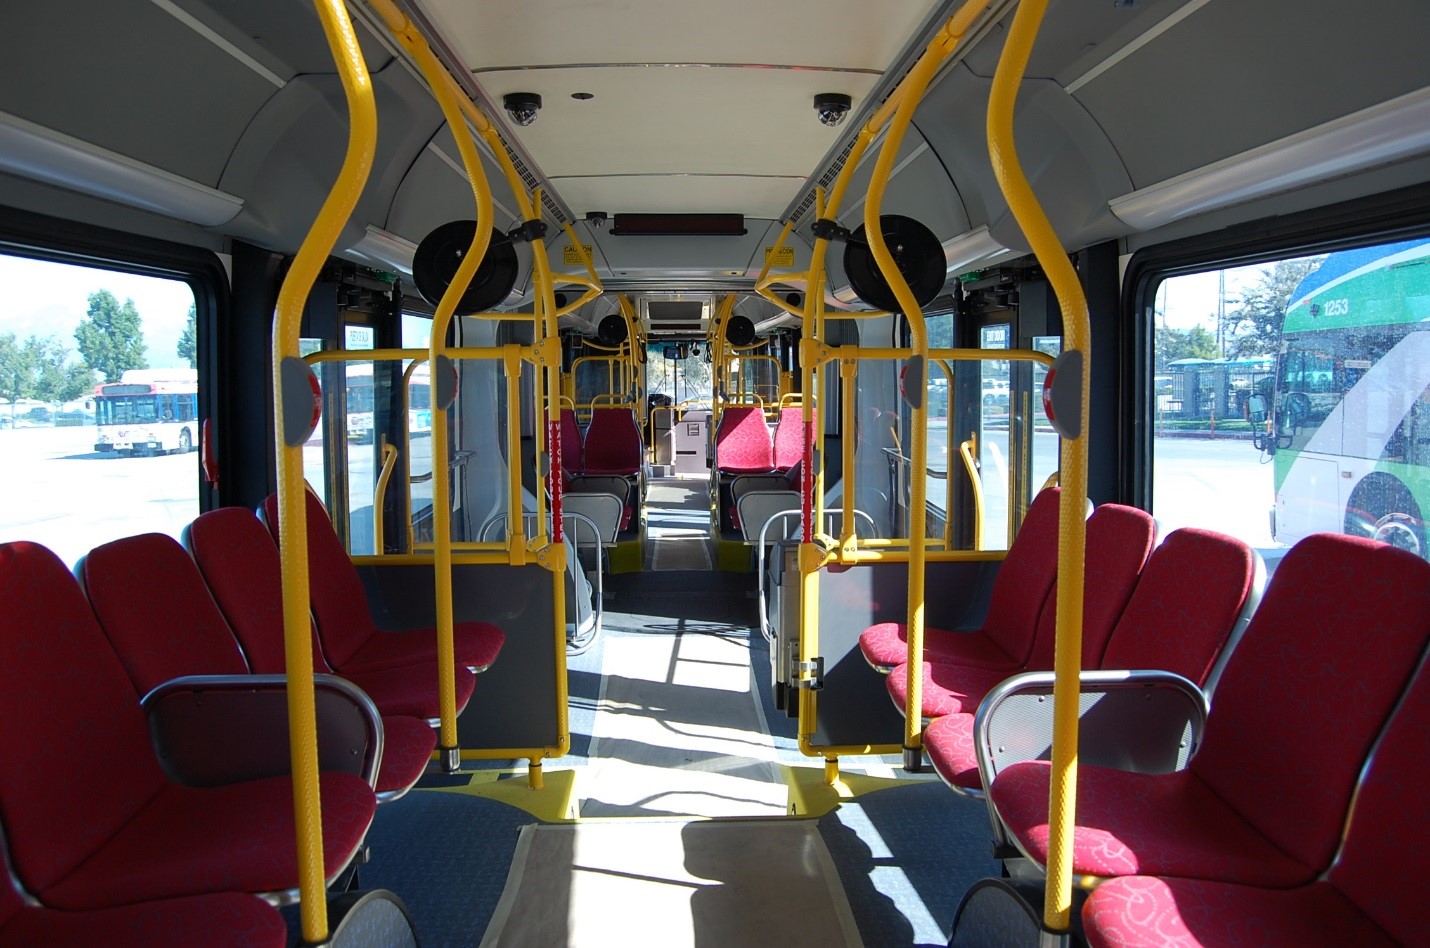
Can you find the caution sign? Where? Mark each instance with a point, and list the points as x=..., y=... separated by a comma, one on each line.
x=571, y=255
x=779, y=256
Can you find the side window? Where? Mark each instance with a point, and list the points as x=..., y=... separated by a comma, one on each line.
x=98, y=405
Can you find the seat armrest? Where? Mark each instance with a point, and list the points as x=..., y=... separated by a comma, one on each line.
x=211, y=730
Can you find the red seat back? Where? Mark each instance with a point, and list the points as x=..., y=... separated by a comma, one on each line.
x=613, y=442
x=1383, y=861
x=1119, y=539
x=1185, y=605
x=789, y=437
x=152, y=603
x=742, y=441
x=570, y=443
x=64, y=698
x=339, y=601
x=1025, y=578
x=1330, y=649
x=240, y=566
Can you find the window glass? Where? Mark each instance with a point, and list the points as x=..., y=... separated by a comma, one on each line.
x=98, y=405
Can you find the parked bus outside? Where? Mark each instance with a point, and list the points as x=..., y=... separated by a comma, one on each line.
x=1349, y=419
x=148, y=411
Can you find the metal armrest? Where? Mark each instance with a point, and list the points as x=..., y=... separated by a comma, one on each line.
x=1142, y=721
x=211, y=730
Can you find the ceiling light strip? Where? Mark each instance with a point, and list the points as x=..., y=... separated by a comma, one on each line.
x=855, y=70
x=188, y=20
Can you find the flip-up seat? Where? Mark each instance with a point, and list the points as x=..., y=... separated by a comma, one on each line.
x=351, y=640
x=613, y=445
x=153, y=605
x=1195, y=593
x=1331, y=648
x=133, y=836
x=1005, y=638
x=1119, y=539
x=789, y=438
x=1372, y=894
x=242, y=570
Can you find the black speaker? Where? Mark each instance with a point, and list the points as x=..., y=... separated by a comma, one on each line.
x=795, y=300
x=739, y=331
x=916, y=252
x=611, y=330
x=440, y=254
x=560, y=300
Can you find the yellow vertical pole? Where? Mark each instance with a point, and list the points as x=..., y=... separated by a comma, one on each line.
x=1072, y=535
x=292, y=517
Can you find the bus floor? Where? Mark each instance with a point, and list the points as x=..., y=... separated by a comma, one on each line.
x=671, y=720
x=677, y=511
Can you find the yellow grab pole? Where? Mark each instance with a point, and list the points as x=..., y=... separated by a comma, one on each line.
x=441, y=85
x=1072, y=535
x=292, y=517
x=911, y=90
x=379, y=497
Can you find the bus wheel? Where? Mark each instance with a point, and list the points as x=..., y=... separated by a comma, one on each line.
x=1403, y=531
x=186, y=441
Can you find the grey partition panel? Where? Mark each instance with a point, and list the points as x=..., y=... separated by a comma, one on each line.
x=854, y=707
x=514, y=704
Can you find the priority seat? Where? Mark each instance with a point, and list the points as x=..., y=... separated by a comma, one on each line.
x=350, y=638
x=1119, y=540
x=152, y=603
x=1004, y=640
x=243, y=572
x=1194, y=596
x=78, y=842
x=1371, y=895
x=1299, y=704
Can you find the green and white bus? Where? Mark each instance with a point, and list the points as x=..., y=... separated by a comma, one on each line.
x=1349, y=420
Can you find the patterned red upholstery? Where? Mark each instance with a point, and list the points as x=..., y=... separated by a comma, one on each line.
x=1299, y=704
x=742, y=441
x=1118, y=541
x=339, y=602
x=789, y=438
x=613, y=443
x=240, y=565
x=1370, y=896
x=132, y=836
x=1006, y=636
x=224, y=920
x=571, y=461
x=1186, y=602
x=151, y=602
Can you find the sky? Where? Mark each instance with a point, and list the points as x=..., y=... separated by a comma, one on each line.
x=1191, y=300
x=49, y=299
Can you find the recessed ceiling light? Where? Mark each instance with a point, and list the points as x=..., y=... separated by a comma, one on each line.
x=582, y=96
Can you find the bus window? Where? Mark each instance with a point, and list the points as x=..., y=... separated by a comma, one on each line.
x=1337, y=355
x=98, y=405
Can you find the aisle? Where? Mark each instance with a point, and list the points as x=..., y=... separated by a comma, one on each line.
x=678, y=524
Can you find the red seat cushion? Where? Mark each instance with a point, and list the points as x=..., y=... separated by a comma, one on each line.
x=1144, y=824
x=952, y=750
x=571, y=463
x=742, y=441
x=407, y=745
x=222, y=920
x=1141, y=912
x=190, y=841
x=410, y=690
x=886, y=645
x=477, y=642
x=789, y=438
x=947, y=689
x=613, y=443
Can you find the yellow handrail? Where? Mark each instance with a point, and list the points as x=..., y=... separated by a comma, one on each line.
x=1072, y=536
x=379, y=496
x=292, y=516
x=969, y=451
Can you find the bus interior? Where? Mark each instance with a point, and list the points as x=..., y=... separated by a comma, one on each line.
x=714, y=473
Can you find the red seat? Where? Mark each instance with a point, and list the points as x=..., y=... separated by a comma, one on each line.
x=613, y=444
x=132, y=836
x=742, y=441
x=789, y=438
x=1190, y=596
x=350, y=638
x=1371, y=895
x=241, y=567
x=1300, y=702
x=1119, y=539
x=152, y=604
x=571, y=460
x=1005, y=638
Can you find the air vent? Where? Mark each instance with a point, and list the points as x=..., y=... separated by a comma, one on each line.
x=678, y=225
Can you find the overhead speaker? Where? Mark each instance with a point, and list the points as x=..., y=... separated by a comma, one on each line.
x=611, y=330
x=916, y=252
x=739, y=331
x=440, y=254
x=795, y=300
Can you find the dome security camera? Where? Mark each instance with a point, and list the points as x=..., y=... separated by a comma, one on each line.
x=832, y=107
x=522, y=106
